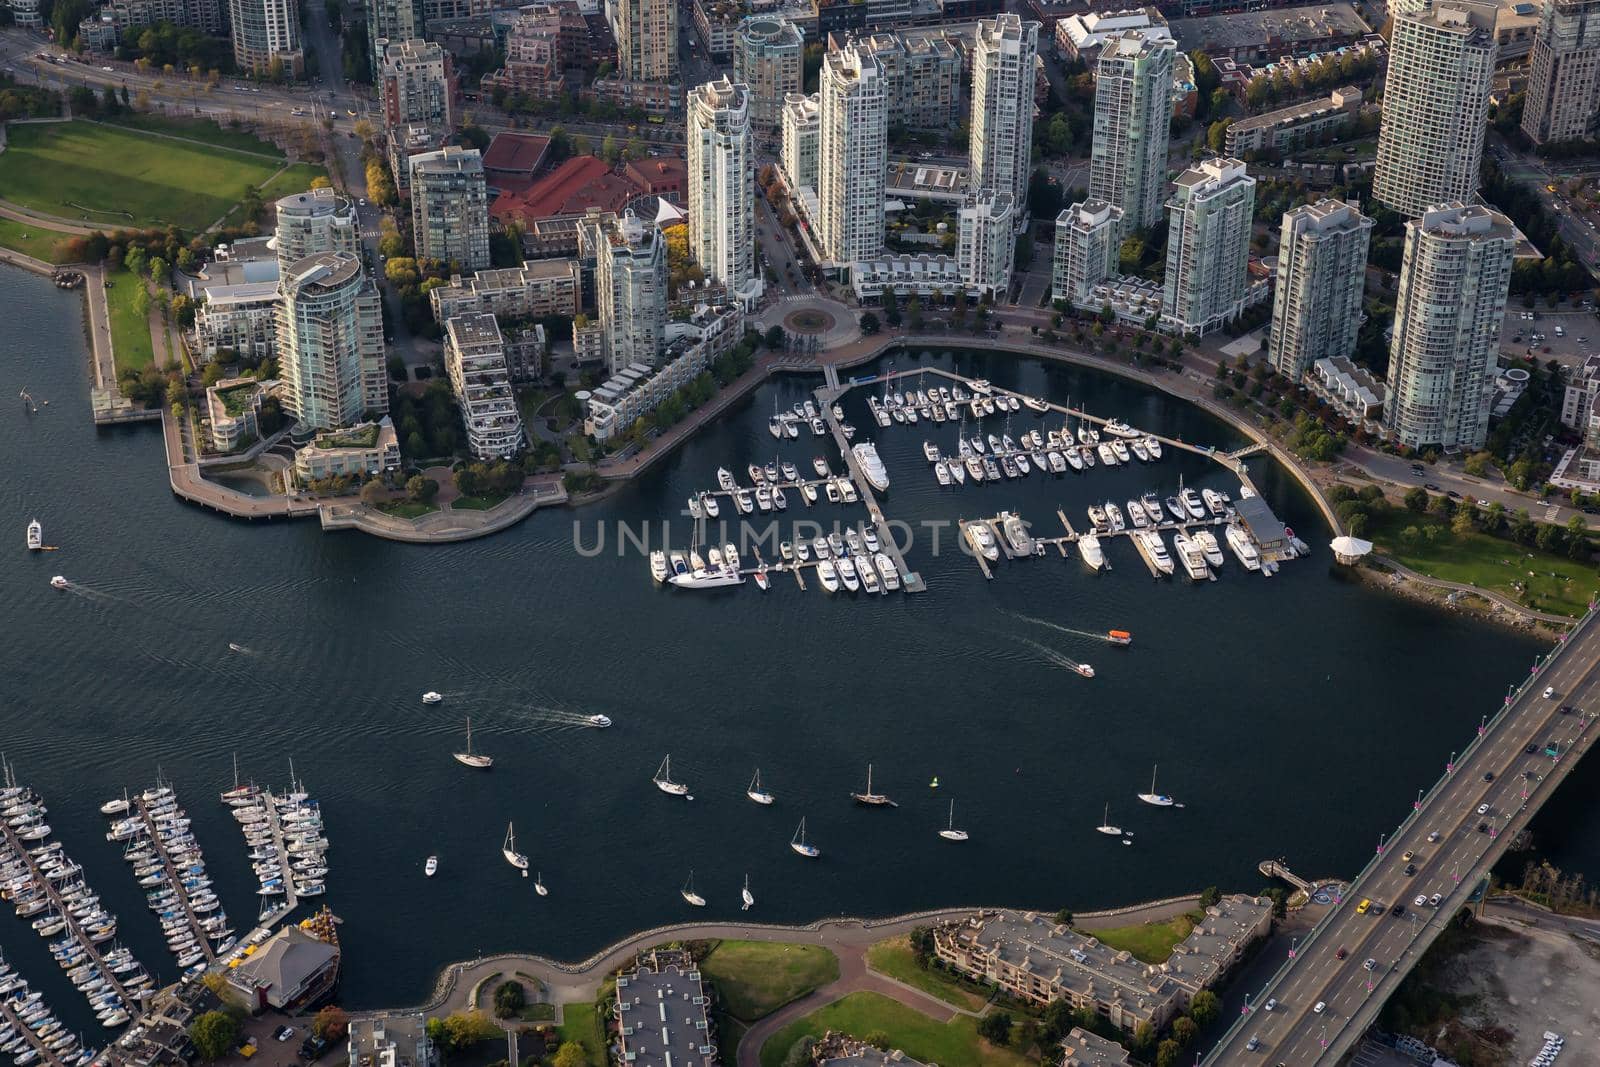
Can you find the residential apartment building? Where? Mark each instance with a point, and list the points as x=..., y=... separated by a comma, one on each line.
x=416, y=87
x=647, y=40
x=233, y=408
x=637, y=390
x=852, y=155
x=717, y=23
x=767, y=59
x=391, y=20
x=644, y=1039
x=1296, y=126
x=986, y=241
x=239, y=318
x=1435, y=105
x=1080, y=1048
x=1316, y=304
x=475, y=360
x=362, y=451
x=1003, y=59
x=538, y=288
x=1578, y=398
x=1208, y=246
x=1564, y=73
x=802, y=132
x=450, y=207
x=1451, y=300
x=1132, y=122
x=1088, y=243
x=721, y=185
x=266, y=36
x=631, y=290
x=1349, y=389
x=922, y=77
x=533, y=55
x=330, y=341
x=1217, y=943
x=318, y=220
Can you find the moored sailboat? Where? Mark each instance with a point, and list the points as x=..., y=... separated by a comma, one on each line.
x=475, y=760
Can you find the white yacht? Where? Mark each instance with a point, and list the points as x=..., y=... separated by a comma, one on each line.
x=941, y=472
x=869, y=575
x=981, y=538
x=706, y=579
x=431, y=868
x=58, y=582
x=743, y=501
x=509, y=851
x=887, y=571
x=1033, y=403
x=1244, y=548
x=1208, y=545
x=1105, y=826
x=957, y=472
x=847, y=574
x=1107, y=456
x=600, y=722
x=1191, y=556
x=475, y=760
x=975, y=468
x=430, y=697
x=1158, y=551
x=756, y=793
x=827, y=575
x=1121, y=449
x=930, y=451
x=820, y=465
x=1213, y=501
x=1191, y=503
x=1016, y=533
x=35, y=536
x=871, y=466
x=950, y=833
x=664, y=782
x=1089, y=549
x=1140, y=453
x=1118, y=428
x=725, y=480
x=709, y=504
x=1137, y=514
x=1152, y=446
x=1114, y=518
x=658, y=566
x=801, y=846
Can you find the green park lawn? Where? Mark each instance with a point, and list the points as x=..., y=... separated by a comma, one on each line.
x=295, y=178
x=482, y=502
x=130, y=329
x=1553, y=583
x=407, y=509
x=756, y=978
x=581, y=1023
x=30, y=239
x=108, y=176
x=895, y=959
x=1149, y=943
x=952, y=1044
x=197, y=130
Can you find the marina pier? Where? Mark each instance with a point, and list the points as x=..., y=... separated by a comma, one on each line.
x=177, y=879
x=8, y=1017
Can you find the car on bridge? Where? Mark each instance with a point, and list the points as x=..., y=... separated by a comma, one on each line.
x=1483, y=809
x=1371, y=964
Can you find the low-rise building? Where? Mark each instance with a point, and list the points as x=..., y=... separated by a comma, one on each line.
x=1081, y=36
x=475, y=360
x=1583, y=385
x=538, y=288
x=1083, y=1049
x=233, y=407
x=1290, y=128
x=238, y=318
x=717, y=22
x=920, y=274
x=366, y=449
x=293, y=969
x=391, y=1039
x=661, y=1014
x=1350, y=389
x=1217, y=942
x=640, y=388
x=1267, y=34
x=588, y=341
x=842, y=1050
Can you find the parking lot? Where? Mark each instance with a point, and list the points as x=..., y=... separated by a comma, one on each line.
x=1566, y=334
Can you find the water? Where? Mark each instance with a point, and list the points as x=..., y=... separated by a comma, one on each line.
x=1296, y=715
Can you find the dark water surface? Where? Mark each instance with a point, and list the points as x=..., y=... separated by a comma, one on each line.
x=1295, y=715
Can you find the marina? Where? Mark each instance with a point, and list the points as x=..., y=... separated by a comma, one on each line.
x=288, y=846
x=29, y=1032
x=169, y=866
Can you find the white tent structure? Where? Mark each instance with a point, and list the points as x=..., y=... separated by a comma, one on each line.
x=1349, y=550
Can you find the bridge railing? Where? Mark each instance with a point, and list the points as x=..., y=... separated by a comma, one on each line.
x=1490, y=724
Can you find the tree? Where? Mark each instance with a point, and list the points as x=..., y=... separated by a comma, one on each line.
x=1144, y=1036
x=774, y=337
x=799, y=1054
x=914, y=313
x=509, y=997
x=1217, y=134
x=869, y=322
x=1184, y=1030
x=1210, y=897
x=1577, y=538
x=421, y=490
x=571, y=1054
x=1064, y=917
x=1416, y=499
x=1205, y=1007
x=995, y=1028
x=1167, y=1053
x=214, y=1034
x=467, y=1028
x=331, y=1023
x=373, y=493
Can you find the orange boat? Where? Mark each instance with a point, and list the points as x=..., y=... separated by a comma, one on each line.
x=1120, y=637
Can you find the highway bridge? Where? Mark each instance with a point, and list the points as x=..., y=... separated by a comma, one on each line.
x=1321, y=1001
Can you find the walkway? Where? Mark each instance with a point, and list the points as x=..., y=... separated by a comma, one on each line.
x=447, y=524
x=18, y=213
x=1488, y=594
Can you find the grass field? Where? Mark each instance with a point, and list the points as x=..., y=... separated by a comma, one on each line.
x=30, y=239
x=580, y=1023
x=109, y=176
x=895, y=959
x=407, y=509
x=130, y=330
x=756, y=978
x=952, y=1044
x=1554, y=583
x=477, y=503
x=197, y=130
x=295, y=178
x=1151, y=943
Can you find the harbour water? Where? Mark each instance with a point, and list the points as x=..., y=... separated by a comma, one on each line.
x=1296, y=716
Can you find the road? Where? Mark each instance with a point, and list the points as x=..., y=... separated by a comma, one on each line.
x=1454, y=835
x=1450, y=476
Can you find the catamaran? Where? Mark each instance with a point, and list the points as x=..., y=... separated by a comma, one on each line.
x=801, y=846
x=509, y=851
x=664, y=782
x=871, y=799
x=1160, y=800
x=475, y=760
x=950, y=833
x=688, y=893
x=756, y=793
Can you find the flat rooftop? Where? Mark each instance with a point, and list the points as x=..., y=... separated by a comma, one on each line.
x=1284, y=25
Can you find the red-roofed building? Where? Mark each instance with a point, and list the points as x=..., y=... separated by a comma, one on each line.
x=513, y=160
x=662, y=176
x=580, y=182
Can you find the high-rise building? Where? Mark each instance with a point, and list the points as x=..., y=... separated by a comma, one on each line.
x=266, y=36
x=647, y=40
x=391, y=20
x=1002, y=104
x=922, y=76
x=1132, y=125
x=330, y=341
x=1435, y=105
x=852, y=156
x=1208, y=245
x=317, y=220
x=475, y=360
x=1322, y=264
x=631, y=290
x=721, y=185
x=450, y=207
x=802, y=130
x=1451, y=300
x=416, y=86
x=767, y=58
x=1564, y=73
x=986, y=241
x=1088, y=241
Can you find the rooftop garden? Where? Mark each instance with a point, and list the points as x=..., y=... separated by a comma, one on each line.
x=357, y=437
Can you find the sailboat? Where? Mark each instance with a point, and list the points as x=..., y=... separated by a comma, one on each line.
x=509, y=851
x=871, y=799
x=756, y=793
x=747, y=896
x=469, y=758
x=538, y=885
x=664, y=782
x=950, y=833
x=801, y=846
x=688, y=893
x=1105, y=826
x=1160, y=800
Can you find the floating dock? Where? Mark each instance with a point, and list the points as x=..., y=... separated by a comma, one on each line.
x=164, y=830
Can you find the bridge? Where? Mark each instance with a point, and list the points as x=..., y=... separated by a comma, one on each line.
x=1278, y=869
x=1453, y=835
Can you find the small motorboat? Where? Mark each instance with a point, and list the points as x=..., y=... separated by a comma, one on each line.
x=430, y=697
x=762, y=581
x=1084, y=669
x=431, y=868
x=58, y=582
x=600, y=721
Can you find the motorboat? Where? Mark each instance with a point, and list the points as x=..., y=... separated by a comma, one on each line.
x=1245, y=549
x=58, y=582
x=1213, y=501
x=981, y=538
x=1073, y=457
x=658, y=571
x=950, y=833
x=725, y=480
x=1192, y=503
x=1152, y=446
x=695, y=509
x=714, y=557
x=1033, y=403
x=827, y=575
x=509, y=851
x=756, y=793
x=820, y=465
x=1140, y=453
x=1136, y=512
x=802, y=550
x=847, y=574
x=1208, y=545
x=801, y=846
x=1191, y=557
x=1097, y=517
x=957, y=472
x=431, y=867
x=469, y=758
x=1089, y=548
x=1159, y=800
x=1157, y=548
x=887, y=571
x=35, y=536
x=1120, y=449
x=1009, y=467
x=809, y=492
x=1022, y=462
x=1016, y=533
x=869, y=575
x=1107, y=456
x=1114, y=518
x=743, y=501
x=707, y=579
x=1118, y=428
x=689, y=895
x=1119, y=637
x=977, y=444
x=709, y=505
x=930, y=451
x=975, y=468
x=762, y=581
x=871, y=465
x=763, y=498
x=1175, y=505
x=941, y=472
x=870, y=799
x=1084, y=669
x=600, y=722
x=664, y=782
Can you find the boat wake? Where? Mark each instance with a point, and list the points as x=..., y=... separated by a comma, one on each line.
x=241, y=649
x=1053, y=657
x=541, y=719
x=1057, y=628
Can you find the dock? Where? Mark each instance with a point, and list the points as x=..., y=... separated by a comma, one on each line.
x=910, y=581
x=11, y=1018
x=183, y=867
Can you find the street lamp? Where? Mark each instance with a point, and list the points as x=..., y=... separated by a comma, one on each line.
x=1450, y=764
x=1416, y=805
x=1292, y=944
x=1380, y=843
x=1483, y=725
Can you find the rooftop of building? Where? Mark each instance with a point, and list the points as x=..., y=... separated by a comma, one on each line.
x=770, y=31
x=290, y=957
x=1211, y=174
x=1083, y=1049
x=323, y=270
x=323, y=201
x=1088, y=214
x=365, y=435
x=657, y=174
x=1457, y=16
x=840, y=1050
x=1284, y=25
x=515, y=153
x=473, y=328
x=1215, y=941
x=220, y=296
x=451, y=159
x=578, y=183
x=415, y=50
x=1347, y=97
x=1132, y=44
x=1327, y=216
x=1465, y=220
x=1088, y=29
